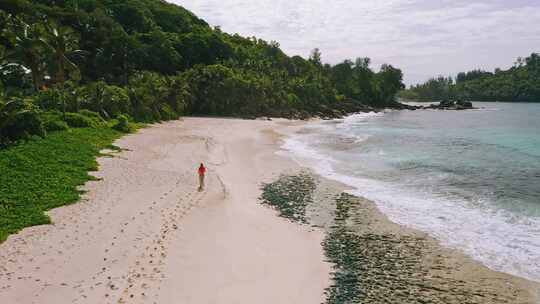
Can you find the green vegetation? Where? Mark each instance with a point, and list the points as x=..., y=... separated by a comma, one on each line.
x=123, y=125
x=44, y=173
x=82, y=70
x=152, y=61
x=19, y=120
x=519, y=83
x=290, y=195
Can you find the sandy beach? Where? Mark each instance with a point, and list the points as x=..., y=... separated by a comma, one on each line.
x=143, y=233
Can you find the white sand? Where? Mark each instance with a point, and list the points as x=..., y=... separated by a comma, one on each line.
x=144, y=234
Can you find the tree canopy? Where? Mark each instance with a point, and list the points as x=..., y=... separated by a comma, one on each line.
x=168, y=62
x=521, y=82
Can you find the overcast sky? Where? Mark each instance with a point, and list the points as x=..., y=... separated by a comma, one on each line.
x=424, y=38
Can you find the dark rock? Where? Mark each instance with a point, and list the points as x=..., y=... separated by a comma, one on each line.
x=464, y=104
x=451, y=105
x=446, y=104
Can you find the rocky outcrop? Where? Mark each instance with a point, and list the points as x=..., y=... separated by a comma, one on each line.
x=451, y=105
x=443, y=105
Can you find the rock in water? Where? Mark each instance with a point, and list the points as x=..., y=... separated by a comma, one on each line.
x=446, y=104
x=464, y=104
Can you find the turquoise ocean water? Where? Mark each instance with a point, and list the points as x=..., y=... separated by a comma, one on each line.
x=469, y=178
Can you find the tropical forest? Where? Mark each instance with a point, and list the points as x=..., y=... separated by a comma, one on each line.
x=83, y=63
x=520, y=83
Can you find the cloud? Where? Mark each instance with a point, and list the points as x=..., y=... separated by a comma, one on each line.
x=424, y=38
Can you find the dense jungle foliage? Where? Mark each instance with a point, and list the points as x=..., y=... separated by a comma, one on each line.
x=150, y=60
x=519, y=83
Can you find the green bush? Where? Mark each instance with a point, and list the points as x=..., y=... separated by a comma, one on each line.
x=92, y=115
x=76, y=120
x=55, y=125
x=19, y=119
x=58, y=99
x=49, y=99
x=116, y=101
x=50, y=116
x=167, y=113
x=107, y=100
x=123, y=124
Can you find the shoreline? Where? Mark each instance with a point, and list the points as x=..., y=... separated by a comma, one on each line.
x=440, y=264
x=143, y=233
x=431, y=271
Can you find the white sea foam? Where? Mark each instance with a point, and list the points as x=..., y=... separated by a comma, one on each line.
x=360, y=117
x=501, y=240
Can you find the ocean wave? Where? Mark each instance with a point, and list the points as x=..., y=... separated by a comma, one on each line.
x=359, y=118
x=499, y=239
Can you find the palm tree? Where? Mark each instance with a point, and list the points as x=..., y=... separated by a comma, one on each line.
x=28, y=48
x=62, y=44
x=3, y=62
x=2, y=55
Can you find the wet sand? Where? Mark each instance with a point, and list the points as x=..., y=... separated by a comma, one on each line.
x=396, y=264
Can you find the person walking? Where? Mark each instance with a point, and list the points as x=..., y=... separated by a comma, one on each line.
x=202, y=172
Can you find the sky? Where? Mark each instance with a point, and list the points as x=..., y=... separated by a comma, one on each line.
x=425, y=38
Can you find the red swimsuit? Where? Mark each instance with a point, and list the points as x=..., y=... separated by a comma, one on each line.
x=202, y=170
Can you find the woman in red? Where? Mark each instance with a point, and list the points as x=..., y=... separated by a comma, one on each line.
x=202, y=171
